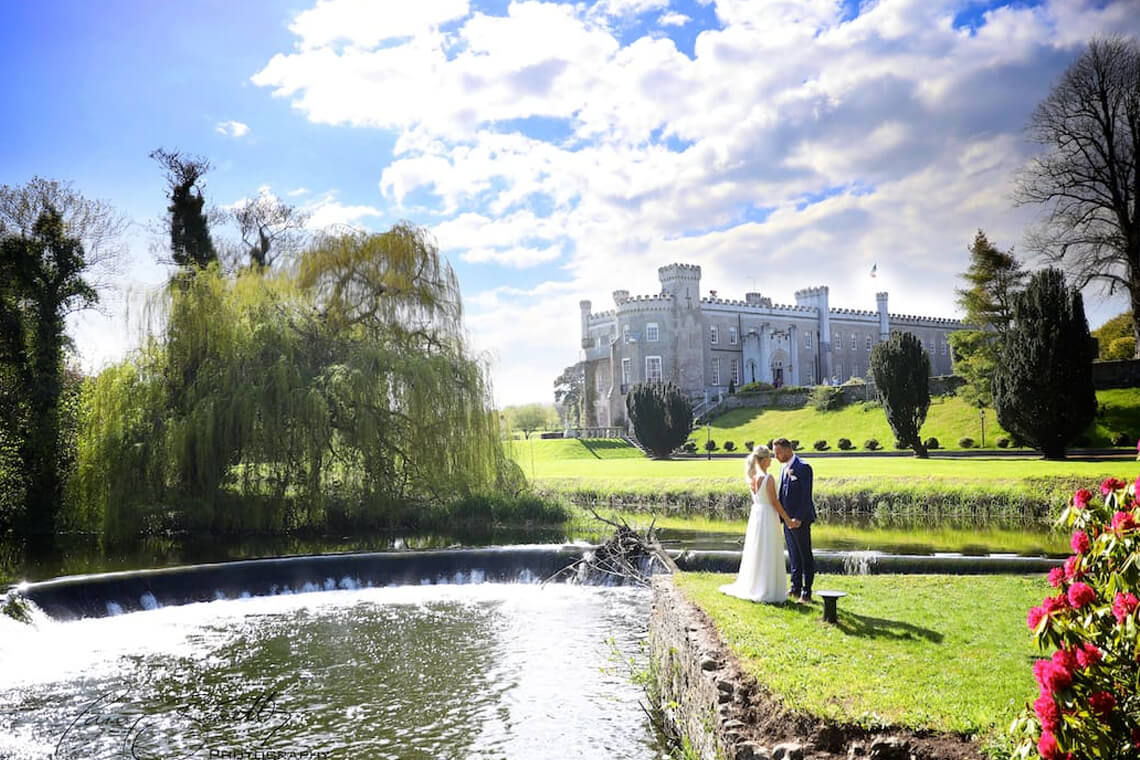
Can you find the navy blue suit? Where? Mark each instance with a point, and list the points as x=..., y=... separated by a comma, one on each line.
x=796, y=496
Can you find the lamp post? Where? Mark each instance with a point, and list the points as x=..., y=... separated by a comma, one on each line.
x=982, y=416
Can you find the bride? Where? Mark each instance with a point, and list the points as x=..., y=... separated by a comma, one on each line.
x=762, y=577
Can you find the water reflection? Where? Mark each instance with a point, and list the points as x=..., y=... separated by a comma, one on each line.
x=485, y=671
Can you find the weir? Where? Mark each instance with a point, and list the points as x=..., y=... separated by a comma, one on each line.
x=98, y=595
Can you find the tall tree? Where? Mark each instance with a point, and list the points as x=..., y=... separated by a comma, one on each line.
x=661, y=415
x=570, y=393
x=41, y=281
x=993, y=278
x=1043, y=388
x=190, y=243
x=529, y=417
x=1114, y=338
x=1088, y=179
x=268, y=227
x=901, y=369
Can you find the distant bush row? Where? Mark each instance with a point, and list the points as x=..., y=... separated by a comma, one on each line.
x=873, y=444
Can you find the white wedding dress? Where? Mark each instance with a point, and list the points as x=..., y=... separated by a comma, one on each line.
x=762, y=576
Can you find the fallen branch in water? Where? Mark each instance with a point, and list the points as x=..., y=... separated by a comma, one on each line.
x=627, y=556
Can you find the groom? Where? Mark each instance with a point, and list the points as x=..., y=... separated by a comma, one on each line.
x=795, y=495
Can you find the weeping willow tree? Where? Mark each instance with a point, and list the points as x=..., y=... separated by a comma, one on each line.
x=339, y=392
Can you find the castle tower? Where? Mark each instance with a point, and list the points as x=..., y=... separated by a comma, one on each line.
x=884, y=318
x=585, y=307
x=620, y=297
x=817, y=298
x=683, y=282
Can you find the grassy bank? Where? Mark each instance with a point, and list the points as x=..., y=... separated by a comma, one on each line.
x=927, y=652
x=949, y=419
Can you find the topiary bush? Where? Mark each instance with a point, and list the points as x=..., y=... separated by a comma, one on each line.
x=825, y=398
x=932, y=443
x=690, y=447
x=1088, y=705
x=872, y=444
x=820, y=445
x=710, y=445
x=966, y=442
x=1003, y=442
x=729, y=446
x=662, y=416
x=750, y=445
x=795, y=444
x=844, y=444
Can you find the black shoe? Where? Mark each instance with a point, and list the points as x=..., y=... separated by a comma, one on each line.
x=794, y=593
x=805, y=598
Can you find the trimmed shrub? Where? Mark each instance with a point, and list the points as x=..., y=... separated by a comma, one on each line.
x=661, y=415
x=729, y=446
x=1003, y=442
x=932, y=443
x=754, y=387
x=820, y=445
x=750, y=445
x=872, y=444
x=710, y=445
x=825, y=398
x=795, y=444
x=844, y=444
x=690, y=447
x=966, y=442
x=1119, y=439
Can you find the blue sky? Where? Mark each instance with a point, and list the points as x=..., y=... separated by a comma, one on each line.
x=561, y=151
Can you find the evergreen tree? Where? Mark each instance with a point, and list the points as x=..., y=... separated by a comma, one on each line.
x=901, y=369
x=190, y=243
x=1043, y=388
x=661, y=416
x=994, y=277
x=570, y=394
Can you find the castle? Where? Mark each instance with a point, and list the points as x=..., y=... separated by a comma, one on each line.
x=701, y=343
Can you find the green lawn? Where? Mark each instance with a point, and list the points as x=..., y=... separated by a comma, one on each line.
x=949, y=419
x=949, y=653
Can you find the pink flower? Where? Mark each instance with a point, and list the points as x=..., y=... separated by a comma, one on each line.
x=1047, y=746
x=1122, y=521
x=1034, y=617
x=1056, y=577
x=1102, y=703
x=1081, y=594
x=1123, y=606
x=1111, y=484
x=1088, y=654
x=1080, y=542
x=1071, y=569
x=1047, y=712
x=1081, y=498
x=1051, y=677
x=1051, y=604
x=1065, y=658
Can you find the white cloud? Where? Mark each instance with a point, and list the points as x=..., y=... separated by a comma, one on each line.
x=232, y=128
x=298, y=191
x=329, y=212
x=791, y=147
x=672, y=18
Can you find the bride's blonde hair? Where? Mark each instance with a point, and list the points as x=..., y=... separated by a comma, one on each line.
x=753, y=460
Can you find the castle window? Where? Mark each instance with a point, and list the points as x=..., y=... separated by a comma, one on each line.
x=714, y=335
x=807, y=339
x=852, y=341
x=625, y=333
x=837, y=340
x=943, y=345
x=868, y=344
x=716, y=371
x=839, y=371
x=653, y=369
x=930, y=346
x=735, y=372
x=626, y=371
x=732, y=336
x=651, y=333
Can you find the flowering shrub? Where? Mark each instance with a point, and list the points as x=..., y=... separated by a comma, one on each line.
x=1089, y=700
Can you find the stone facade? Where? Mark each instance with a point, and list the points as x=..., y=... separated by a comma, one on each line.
x=702, y=342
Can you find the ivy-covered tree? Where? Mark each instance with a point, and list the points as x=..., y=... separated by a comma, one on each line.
x=190, y=243
x=661, y=415
x=41, y=281
x=1043, y=388
x=570, y=394
x=901, y=369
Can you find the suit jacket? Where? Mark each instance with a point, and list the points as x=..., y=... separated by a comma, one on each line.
x=795, y=490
